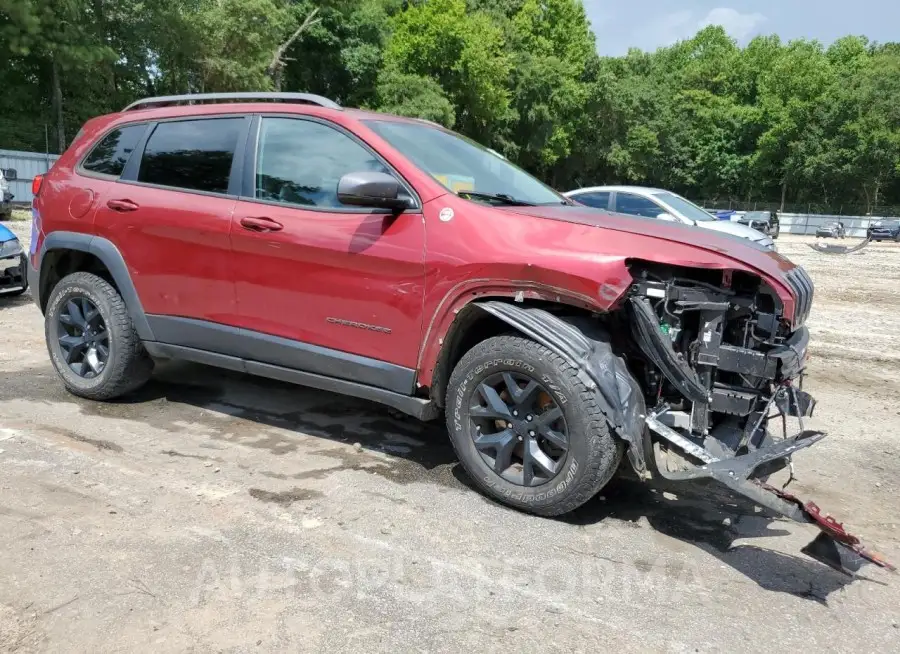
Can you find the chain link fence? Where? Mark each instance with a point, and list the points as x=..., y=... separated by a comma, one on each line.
x=805, y=208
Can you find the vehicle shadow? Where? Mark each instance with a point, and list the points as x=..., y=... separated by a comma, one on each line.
x=303, y=410
x=714, y=521
x=697, y=515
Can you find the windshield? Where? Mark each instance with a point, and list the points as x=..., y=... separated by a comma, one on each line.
x=687, y=209
x=461, y=164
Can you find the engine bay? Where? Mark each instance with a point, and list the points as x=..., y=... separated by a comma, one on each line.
x=716, y=356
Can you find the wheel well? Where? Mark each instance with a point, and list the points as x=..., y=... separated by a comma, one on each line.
x=56, y=264
x=472, y=326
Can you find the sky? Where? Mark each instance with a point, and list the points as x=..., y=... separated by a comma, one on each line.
x=649, y=24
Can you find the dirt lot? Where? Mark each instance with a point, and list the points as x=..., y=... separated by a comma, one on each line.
x=215, y=512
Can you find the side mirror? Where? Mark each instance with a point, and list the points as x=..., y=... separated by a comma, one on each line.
x=665, y=216
x=10, y=174
x=372, y=189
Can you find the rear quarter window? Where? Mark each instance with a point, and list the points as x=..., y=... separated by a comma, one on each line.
x=111, y=154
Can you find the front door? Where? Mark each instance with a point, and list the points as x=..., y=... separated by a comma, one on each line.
x=329, y=288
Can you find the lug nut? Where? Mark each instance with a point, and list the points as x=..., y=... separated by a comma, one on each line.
x=531, y=433
x=520, y=438
x=515, y=413
x=529, y=417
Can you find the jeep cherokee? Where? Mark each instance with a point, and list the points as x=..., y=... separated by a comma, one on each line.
x=390, y=259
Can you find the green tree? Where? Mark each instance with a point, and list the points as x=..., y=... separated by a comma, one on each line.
x=57, y=39
x=790, y=94
x=772, y=121
x=463, y=52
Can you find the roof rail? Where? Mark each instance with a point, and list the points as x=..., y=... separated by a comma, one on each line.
x=198, y=98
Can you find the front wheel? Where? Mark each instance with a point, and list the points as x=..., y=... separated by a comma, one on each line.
x=91, y=339
x=526, y=429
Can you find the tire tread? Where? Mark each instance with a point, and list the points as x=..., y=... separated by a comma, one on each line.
x=605, y=451
x=132, y=366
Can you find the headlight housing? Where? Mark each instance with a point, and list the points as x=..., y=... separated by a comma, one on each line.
x=10, y=248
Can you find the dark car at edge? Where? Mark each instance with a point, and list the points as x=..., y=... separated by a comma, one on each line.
x=885, y=230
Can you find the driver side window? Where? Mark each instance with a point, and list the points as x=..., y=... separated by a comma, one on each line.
x=635, y=205
x=300, y=162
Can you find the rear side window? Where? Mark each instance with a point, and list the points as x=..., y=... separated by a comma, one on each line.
x=598, y=199
x=111, y=154
x=191, y=154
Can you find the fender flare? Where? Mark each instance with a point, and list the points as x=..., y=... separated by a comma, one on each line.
x=470, y=291
x=587, y=347
x=106, y=251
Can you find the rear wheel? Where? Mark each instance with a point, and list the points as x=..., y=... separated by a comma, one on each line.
x=91, y=339
x=526, y=429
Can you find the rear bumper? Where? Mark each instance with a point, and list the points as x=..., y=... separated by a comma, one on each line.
x=765, y=228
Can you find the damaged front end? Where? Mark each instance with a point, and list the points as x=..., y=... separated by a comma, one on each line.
x=722, y=363
x=692, y=373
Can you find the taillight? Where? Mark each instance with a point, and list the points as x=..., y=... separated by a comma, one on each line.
x=36, y=185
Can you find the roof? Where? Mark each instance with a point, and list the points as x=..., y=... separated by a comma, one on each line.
x=218, y=98
x=641, y=190
x=211, y=103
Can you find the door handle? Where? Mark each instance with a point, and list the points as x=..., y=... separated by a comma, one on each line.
x=122, y=205
x=261, y=224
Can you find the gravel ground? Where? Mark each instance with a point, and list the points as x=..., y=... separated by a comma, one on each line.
x=215, y=512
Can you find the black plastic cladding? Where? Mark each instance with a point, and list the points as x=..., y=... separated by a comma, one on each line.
x=802, y=286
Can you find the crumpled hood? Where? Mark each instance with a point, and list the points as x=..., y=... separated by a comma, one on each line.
x=735, y=229
x=722, y=242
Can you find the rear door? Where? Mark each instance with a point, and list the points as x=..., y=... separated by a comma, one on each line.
x=330, y=280
x=170, y=217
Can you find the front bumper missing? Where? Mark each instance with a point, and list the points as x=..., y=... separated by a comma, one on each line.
x=834, y=546
x=620, y=396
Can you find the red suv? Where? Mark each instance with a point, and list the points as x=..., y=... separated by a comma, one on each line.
x=391, y=259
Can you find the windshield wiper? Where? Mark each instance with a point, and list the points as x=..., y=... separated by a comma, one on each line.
x=502, y=198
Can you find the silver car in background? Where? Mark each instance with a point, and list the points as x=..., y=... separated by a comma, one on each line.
x=663, y=205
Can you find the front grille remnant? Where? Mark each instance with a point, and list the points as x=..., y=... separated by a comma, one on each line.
x=802, y=288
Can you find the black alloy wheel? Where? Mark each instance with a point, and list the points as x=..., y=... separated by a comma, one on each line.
x=83, y=337
x=518, y=429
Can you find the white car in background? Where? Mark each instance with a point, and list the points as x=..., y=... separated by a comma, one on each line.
x=662, y=205
x=6, y=176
